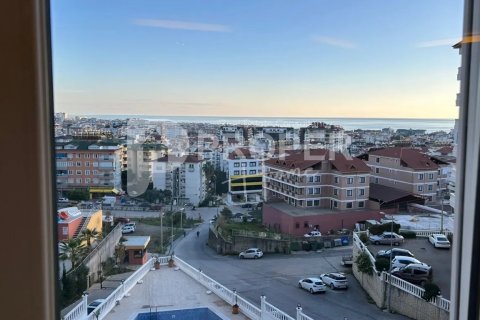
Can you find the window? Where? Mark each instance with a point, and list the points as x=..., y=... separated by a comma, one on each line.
x=349, y=180
x=236, y=172
x=87, y=155
x=87, y=180
x=335, y=192
x=335, y=179
x=191, y=166
x=297, y=225
x=349, y=205
x=317, y=190
x=361, y=192
x=362, y=179
x=420, y=188
x=306, y=224
x=316, y=203
x=78, y=172
x=420, y=176
x=310, y=179
x=87, y=164
x=253, y=164
x=78, y=155
x=309, y=203
x=95, y=172
x=87, y=172
x=70, y=171
x=70, y=163
x=243, y=172
x=95, y=155
x=377, y=170
x=377, y=159
x=78, y=180
x=361, y=204
x=317, y=178
x=244, y=164
x=95, y=164
x=335, y=204
x=236, y=164
x=430, y=176
x=349, y=193
x=79, y=164
x=252, y=172
x=430, y=187
x=376, y=180
x=310, y=190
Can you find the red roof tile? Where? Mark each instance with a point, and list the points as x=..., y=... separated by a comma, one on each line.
x=410, y=158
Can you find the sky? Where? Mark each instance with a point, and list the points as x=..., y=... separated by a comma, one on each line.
x=279, y=58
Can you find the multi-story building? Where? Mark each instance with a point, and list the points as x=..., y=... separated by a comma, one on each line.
x=272, y=138
x=326, y=136
x=244, y=169
x=404, y=168
x=317, y=178
x=183, y=176
x=231, y=135
x=92, y=165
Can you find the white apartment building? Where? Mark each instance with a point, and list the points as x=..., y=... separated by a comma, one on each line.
x=183, y=176
x=325, y=136
x=231, y=135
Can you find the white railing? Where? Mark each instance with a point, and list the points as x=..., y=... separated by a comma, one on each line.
x=249, y=309
x=400, y=283
x=427, y=233
x=272, y=312
x=79, y=312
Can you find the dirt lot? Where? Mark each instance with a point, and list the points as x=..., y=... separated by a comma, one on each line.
x=439, y=259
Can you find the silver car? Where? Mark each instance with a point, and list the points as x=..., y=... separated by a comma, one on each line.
x=387, y=238
x=252, y=253
x=335, y=280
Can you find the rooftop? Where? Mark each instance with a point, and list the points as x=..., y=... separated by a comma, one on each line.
x=301, y=212
x=136, y=242
x=411, y=158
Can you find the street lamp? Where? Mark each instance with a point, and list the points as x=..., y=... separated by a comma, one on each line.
x=390, y=264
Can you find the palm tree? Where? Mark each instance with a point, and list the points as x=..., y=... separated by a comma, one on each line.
x=72, y=249
x=89, y=235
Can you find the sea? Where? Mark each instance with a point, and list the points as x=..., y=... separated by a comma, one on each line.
x=430, y=125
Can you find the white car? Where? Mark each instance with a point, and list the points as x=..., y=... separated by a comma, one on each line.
x=128, y=229
x=401, y=261
x=439, y=241
x=335, y=280
x=63, y=200
x=252, y=253
x=312, y=285
x=312, y=234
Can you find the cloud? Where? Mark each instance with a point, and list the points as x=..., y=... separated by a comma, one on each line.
x=181, y=25
x=334, y=42
x=437, y=43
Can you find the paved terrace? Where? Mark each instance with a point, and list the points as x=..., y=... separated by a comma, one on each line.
x=169, y=289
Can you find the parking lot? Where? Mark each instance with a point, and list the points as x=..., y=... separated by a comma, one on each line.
x=439, y=259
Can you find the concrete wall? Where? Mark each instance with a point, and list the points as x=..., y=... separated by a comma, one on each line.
x=401, y=302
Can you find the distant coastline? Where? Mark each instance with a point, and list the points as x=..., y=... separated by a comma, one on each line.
x=430, y=125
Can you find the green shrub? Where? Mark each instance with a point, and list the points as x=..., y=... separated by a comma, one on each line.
x=314, y=245
x=294, y=246
x=364, y=264
x=382, y=264
x=408, y=234
x=431, y=291
x=363, y=237
x=380, y=228
x=306, y=246
x=450, y=238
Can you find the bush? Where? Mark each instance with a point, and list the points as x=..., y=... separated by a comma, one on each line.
x=380, y=228
x=294, y=246
x=431, y=291
x=450, y=238
x=363, y=237
x=314, y=245
x=382, y=264
x=364, y=264
x=306, y=246
x=408, y=234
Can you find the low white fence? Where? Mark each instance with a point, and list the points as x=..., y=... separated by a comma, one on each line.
x=426, y=233
x=400, y=283
x=267, y=311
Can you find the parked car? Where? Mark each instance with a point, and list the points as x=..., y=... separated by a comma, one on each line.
x=63, y=200
x=439, y=241
x=128, y=229
x=122, y=220
x=252, y=253
x=247, y=205
x=347, y=261
x=312, y=234
x=402, y=261
x=131, y=224
x=415, y=273
x=387, y=238
x=312, y=285
x=395, y=252
x=94, y=304
x=335, y=280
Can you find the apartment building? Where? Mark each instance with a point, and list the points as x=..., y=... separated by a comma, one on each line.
x=273, y=138
x=183, y=176
x=406, y=169
x=317, y=178
x=326, y=136
x=92, y=165
x=231, y=135
x=244, y=169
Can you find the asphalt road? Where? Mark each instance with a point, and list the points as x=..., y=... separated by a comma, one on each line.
x=277, y=275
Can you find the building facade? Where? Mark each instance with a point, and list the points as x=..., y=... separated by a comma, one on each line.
x=317, y=178
x=92, y=165
x=183, y=176
x=405, y=169
x=322, y=135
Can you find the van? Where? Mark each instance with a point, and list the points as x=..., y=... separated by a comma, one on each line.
x=418, y=273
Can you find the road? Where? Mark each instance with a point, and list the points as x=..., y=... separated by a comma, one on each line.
x=277, y=275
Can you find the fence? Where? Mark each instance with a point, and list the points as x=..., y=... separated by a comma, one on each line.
x=400, y=283
x=426, y=233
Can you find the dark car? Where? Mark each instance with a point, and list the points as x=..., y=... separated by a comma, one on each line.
x=395, y=252
x=94, y=304
x=418, y=273
x=122, y=220
x=247, y=205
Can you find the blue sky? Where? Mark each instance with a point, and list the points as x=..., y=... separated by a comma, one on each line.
x=371, y=58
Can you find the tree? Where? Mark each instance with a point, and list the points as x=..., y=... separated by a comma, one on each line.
x=89, y=235
x=364, y=264
x=78, y=195
x=120, y=250
x=227, y=213
x=72, y=249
